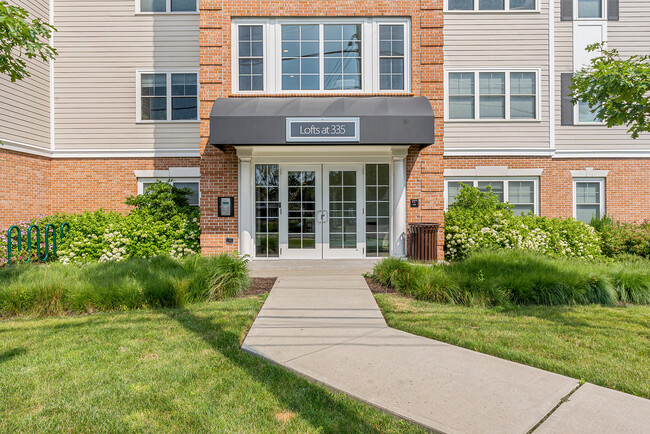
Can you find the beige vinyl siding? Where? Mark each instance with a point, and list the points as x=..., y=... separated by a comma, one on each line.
x=102, y=44
x=499, y=40
x=630, y=35
x=25, y=104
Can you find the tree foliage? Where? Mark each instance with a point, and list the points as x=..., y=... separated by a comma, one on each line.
x=22, y=38
x=617, y=89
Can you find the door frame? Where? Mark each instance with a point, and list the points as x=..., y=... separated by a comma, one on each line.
x=285, y=251
x=250, y=155
x=360, y=251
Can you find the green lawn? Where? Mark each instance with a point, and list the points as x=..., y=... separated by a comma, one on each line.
x=609, y=346
x=174, y=370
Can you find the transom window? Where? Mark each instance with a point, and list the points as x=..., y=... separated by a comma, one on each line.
x=522, y=193
x=168, y=6
x=166, y=96
x=324, y=55
x=491, y=5
x=508, y=95
x=589, y=199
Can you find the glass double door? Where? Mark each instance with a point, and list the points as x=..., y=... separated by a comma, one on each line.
x=321, y=211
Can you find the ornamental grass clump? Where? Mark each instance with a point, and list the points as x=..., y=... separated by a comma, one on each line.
x=505, y=277
x=133, y=283
x=477, y=220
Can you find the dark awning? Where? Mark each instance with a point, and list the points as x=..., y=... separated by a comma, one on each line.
x=376, y=120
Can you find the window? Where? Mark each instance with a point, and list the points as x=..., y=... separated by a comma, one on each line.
x=342, y=50
x=300, y=57
x=267, y=210
x=192, y=198
x=461, y=95
x=377, y=210
x=391, y=57
x=491, y=5
x=590, y=8
x=168, y=96
x=505, y=95
x=168, y=6
x=288, y=55
x=251, y=58
x=589, y=199
x=521, y=193
x=586, y=115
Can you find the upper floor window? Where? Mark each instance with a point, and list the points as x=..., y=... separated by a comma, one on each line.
x=507, y=95
x=325, y=55
x=590, y=8
x=168, y=6
x=166, y=96
x=491, y=5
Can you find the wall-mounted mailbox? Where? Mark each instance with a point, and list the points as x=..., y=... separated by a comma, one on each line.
x=226, y=207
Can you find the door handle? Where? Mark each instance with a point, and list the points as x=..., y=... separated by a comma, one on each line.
x=322, y=216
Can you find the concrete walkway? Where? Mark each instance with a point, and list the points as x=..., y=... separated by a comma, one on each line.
x=329, y=329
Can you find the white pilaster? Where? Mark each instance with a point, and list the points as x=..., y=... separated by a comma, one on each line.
x=245, y=207
x=399, y=202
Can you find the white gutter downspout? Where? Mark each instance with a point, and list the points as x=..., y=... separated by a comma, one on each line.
x=551, y=75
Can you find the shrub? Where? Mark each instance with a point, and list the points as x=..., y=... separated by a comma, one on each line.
x=129, y=284
x=623, y=238
x=477, y=220
x=161, y=223
x=504, y=277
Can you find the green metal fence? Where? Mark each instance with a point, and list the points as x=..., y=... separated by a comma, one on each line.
x=64, y=230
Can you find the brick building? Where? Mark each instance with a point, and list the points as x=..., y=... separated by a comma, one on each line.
x=320, y=129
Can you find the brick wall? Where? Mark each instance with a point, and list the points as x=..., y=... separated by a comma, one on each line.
x=33, y=186
x=219, y=169
x=24, y=187
x=92, y=183
x=627, y=190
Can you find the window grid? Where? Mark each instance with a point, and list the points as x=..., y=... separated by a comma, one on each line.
x=342, y=209
x=167, y=6
x=194, y=185
x=589, y=199
x=301, y=56
x=168, y=96
x=492, y=95
x=267, y=210
x=377, y=210
x=488, y=91
x=251, y=57
x=302, y=209
x=521, y=193
x=342, y=56
x=283, y=70
x=523, y=98
x=492, y=5
x=391, y=57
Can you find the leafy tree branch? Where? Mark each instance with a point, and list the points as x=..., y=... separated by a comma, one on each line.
x=616, y=89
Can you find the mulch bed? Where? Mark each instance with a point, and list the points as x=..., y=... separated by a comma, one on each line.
x=259, y=286
x=378, y=288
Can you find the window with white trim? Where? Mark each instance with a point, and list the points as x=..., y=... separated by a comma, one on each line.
x=492, y=95
x=191, y=183
x=589, y=9
x=491, y=5
x=522, y=193
x=168, y=96
x=588, y=198
x=162, y=6
x=325, y=55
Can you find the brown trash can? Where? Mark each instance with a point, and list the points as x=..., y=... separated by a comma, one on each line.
x=423, y=241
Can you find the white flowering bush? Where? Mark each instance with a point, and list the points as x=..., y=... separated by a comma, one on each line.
x=477, y=220
x=161, y=223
